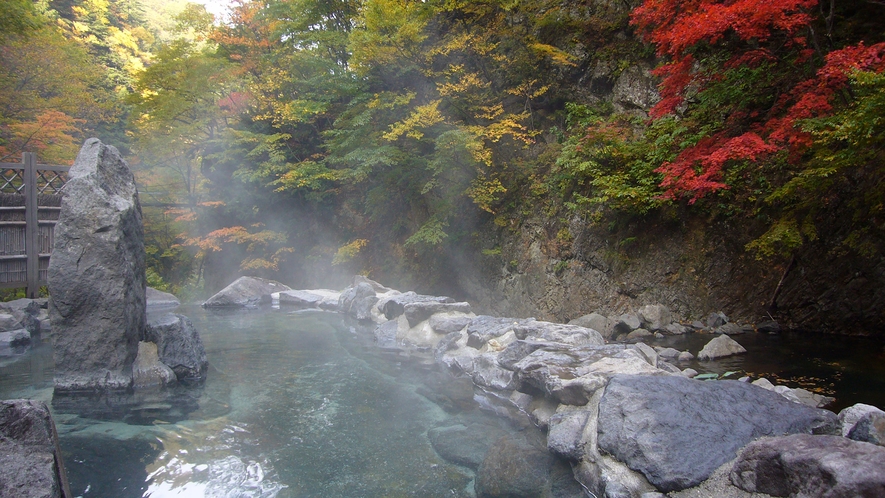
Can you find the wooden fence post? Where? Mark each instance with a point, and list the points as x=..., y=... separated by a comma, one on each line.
x=31, y=227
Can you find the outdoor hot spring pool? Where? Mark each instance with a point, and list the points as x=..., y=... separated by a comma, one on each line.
x=295, y=404
x=305, y=404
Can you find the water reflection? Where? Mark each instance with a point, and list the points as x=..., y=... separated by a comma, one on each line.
x=852, y=369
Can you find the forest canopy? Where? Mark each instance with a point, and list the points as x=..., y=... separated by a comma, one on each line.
x=376, y=136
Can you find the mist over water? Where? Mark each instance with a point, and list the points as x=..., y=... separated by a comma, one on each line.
x=296, y=404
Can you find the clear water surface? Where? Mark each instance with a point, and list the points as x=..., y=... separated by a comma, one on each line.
x=295, y=404
x=305, y=404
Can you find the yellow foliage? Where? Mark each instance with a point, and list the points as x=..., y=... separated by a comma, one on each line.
x=423, y=117
x=469, y=82
x=485, y=192
x=349, y=251
x=556, y=55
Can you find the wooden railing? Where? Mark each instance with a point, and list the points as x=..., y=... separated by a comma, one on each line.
x=30, y=202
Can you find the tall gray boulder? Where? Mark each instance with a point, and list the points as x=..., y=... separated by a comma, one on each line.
x=96, y=274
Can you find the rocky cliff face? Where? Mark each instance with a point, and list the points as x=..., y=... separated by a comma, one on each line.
x=691, y=267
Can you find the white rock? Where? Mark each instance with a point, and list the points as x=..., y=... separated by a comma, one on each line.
x=720, y=347
x=849, y=416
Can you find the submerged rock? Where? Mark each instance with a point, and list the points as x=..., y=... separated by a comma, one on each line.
x=805, y=465
x=245, y=292
x=96, y=274
x=30, y=459
x=463, y=445
x=677, y=431
x=514, y=467
x=14, y=339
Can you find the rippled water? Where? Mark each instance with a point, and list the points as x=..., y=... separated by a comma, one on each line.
x=303, y=404
x=295, y=404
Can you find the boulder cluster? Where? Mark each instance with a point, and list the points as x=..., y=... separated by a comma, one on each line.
x=628, y=421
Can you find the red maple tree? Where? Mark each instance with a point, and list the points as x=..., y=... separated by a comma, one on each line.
x=703, y=39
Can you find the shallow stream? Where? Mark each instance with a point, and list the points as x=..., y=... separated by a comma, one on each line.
x=304, y=404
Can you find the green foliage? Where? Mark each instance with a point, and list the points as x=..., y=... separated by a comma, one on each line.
x=844, y=169
x=431, y=233
x=608, y=159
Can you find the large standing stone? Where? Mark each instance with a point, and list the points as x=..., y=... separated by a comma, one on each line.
x=804, y=465
x=30, y=459
x=96, y=274
x=245, y=292
x=677, y=431
x=179, y=345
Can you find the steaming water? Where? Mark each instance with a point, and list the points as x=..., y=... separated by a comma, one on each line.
x=301, y=404
x=295, y=404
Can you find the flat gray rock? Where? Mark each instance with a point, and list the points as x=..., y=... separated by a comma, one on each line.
x=395, y=306
x=449, y=324
x=419, y=311
x=245, y=292
x=323, y=299
x=160, y=300
x=804, y=465
x=677, y=431
x=97, y=274
x=484, y=327
x=574, y=335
